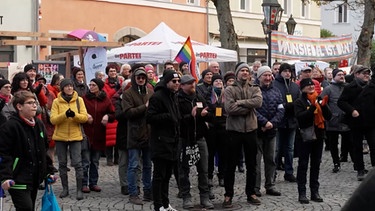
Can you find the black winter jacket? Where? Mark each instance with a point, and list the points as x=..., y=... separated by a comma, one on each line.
x=352, y=98
x=164, y=117
x=287, y=87
x=192, y=129
x=25, y=147
x=305, y=114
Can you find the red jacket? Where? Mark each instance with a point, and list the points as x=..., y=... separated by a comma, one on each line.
x=97, y=107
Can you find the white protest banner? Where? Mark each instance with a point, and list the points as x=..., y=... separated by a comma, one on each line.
x=288, y=47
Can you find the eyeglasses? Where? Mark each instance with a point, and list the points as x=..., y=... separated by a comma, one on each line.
x=175, y=81
x=365, y=73
x=30, y=103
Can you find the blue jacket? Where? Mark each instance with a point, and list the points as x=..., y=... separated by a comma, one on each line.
x=272, y=110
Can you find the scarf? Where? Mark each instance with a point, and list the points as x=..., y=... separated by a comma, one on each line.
x=5, y=98
x=216, y=95
x=30, y=122
x=318, y=114
x=66, y=97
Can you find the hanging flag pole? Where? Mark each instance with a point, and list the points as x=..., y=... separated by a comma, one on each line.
x=186, y=54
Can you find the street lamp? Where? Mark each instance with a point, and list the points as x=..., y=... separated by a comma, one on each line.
x=291, y=25
x=272, y=16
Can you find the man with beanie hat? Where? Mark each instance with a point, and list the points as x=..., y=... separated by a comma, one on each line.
x=262, y=70
x=193, y=128
x=164, y=117
x=334, y=127
x=205, y=84
x=135, y=102
x=286, y=129
x=241, y=100
x=269, y=115
x=356, y=100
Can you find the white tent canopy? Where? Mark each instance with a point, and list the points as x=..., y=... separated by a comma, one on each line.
x=163, y=44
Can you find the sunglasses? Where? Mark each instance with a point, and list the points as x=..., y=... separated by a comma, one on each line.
x=175, y=81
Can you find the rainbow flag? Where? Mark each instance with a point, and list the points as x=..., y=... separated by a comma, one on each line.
x=186, y=54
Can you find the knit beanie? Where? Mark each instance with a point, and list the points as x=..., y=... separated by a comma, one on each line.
x=65, y=82
x=205, y=72
x=3, y=82
x=335, y=71
x=241, y=65
x=305, y=82
x=285, y=66
x=168, y=75
x=28, y=67
x=215, y=77
x=229, y=75
x=262, y=70
x=98, y=82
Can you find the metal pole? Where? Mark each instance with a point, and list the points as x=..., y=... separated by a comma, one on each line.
x=269, y=48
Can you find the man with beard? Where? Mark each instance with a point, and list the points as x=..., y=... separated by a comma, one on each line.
x=194, y=113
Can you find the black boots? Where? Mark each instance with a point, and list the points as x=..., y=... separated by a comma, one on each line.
x=64, y=182
x=79, y=189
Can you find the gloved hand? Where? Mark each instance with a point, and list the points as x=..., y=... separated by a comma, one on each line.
x=70, y=113
x=38, y=89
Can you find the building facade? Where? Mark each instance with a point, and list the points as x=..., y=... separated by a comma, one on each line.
x=127, y=20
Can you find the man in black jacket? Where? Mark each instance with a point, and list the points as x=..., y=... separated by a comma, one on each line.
x=23, y=153
x=193, y=147
x=357, y=102
x=164, y=117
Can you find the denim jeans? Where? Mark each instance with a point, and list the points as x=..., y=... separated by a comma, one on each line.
x=202, y=166
x=90, y=164
x=135, y=157
x=285, y=145
x=266, y=148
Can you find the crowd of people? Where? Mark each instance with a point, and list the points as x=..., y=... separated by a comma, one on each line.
x=154, y=127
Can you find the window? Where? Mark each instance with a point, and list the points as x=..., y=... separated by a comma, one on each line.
x=243, y=5
x=342, y=13
x=7, y=51
x=256, y=55
x=194, y=2
x=286, y=8
x=303, y=11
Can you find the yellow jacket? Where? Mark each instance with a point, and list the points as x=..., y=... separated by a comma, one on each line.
x=68, y=129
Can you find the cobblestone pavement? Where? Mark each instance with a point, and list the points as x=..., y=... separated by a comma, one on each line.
x=334, y=188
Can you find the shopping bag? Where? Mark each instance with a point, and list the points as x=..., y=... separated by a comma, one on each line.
x=49, y=201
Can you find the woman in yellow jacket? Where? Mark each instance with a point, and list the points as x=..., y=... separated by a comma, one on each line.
x=67, y=113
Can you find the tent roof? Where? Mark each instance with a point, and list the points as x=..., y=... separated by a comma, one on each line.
x=163, y=44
